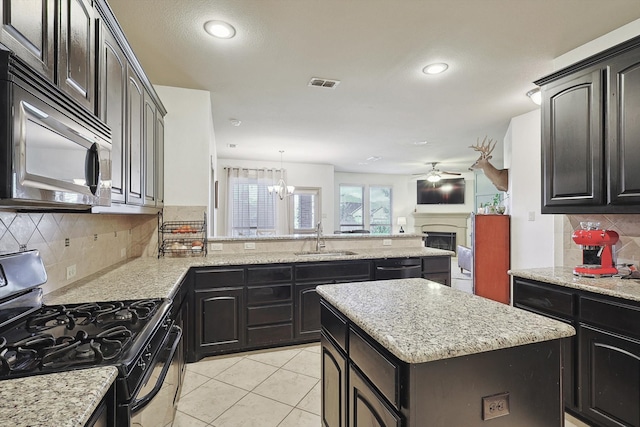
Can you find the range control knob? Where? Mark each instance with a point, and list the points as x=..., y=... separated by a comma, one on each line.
x=142, y=364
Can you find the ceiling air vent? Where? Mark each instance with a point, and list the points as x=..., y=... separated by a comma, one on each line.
x=318, y=82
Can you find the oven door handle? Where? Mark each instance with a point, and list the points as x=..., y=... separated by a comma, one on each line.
x=142, y=402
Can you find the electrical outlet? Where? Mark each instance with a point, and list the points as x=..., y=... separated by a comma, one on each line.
x=71, y=271
x=495, y=406
x=123, y=252
x=532, y=216
x=386, y=242
x=250, y=245
x=216, y=246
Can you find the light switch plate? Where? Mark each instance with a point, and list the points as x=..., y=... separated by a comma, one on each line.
x=216, y=246
x=386, y=242
x=250, y=245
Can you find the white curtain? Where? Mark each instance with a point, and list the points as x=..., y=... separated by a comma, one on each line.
x=251, y=209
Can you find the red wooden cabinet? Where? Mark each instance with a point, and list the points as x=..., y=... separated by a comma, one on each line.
x=491, y=255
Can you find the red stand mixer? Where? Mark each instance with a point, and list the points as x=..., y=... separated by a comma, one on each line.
x=597, y=250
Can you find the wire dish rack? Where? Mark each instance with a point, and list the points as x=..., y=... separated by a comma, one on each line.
x=182, y=238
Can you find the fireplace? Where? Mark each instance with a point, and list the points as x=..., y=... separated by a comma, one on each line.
x=449, y=223
x=440, y=240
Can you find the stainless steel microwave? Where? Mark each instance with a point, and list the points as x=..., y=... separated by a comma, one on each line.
x=54, y=154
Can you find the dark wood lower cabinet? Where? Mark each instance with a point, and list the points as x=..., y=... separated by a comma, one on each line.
x=366, y=407
x=602, y=362
x=610, y=377
x=307, y=311
x=243, y=307
x=334, y=385
x=219, y=319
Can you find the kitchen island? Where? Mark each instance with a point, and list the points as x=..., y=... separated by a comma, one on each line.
x=412, y=352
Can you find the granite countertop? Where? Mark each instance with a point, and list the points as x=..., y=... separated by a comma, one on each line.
x=159, y=278
x=312, y=236
x=563, y=276
x=65, y=399
x=420, y=321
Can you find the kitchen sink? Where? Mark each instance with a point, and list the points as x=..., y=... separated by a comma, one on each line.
x=321, y=253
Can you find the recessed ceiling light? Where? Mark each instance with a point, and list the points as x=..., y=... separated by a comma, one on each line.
x=235, y=122
x=435, y=68
x=220, y=29
x=421, y=143
x=374, y=158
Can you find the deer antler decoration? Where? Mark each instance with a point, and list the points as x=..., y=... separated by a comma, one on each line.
x=485, y=148
x=499, y=177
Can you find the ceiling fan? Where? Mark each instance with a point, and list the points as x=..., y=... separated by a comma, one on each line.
x=435, y=175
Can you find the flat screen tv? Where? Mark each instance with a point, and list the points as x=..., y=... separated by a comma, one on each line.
x=443, y=192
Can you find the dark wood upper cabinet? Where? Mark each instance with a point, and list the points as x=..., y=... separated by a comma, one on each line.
x=150, y=151
x=113, y=81
x=82, y=53
x=624, y=129
x=573, y=142
x=28, y=30
x=135, y=117
x=590, y=132
x=76, y=51
x=159, y=160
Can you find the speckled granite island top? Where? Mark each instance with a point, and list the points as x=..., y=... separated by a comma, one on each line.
x=159, y=278
x=563, y=276
x=65, y=399
x=420, y=321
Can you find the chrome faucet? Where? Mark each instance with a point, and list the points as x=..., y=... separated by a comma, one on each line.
x=319, y=237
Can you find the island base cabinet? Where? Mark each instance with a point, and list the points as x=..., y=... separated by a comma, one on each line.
x=450, y=392
x=366, y=407
x=610, y=378
x=334, y=385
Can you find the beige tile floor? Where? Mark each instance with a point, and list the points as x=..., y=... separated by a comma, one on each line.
x=269, y=388
x=276, y=388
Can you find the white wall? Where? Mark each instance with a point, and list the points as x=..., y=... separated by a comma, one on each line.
x=188, y=141
x=593, y=47
x=298, y=174
x=532, y=241
x=404, y=195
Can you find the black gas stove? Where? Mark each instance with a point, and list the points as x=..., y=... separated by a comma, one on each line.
x=136, y=336
x=60, y=337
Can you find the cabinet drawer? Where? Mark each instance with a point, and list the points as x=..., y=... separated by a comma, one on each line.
x=327, y=272
x=542, y=299
x=269, y=334
x=383, y=372
x=334, y=325
x=268, y=294
x=210, y=278
x=436, y=264
x=266, y=275
x=269, y=314
x=620, y=318
x=400, y=268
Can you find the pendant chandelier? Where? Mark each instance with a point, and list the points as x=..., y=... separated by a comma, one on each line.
x=281, y=188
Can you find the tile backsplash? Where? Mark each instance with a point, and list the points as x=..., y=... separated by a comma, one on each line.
x=627, y=226
x=91, y=242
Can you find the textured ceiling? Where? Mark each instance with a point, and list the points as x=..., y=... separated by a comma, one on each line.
x=376, y=48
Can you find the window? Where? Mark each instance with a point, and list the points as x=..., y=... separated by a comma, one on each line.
x=351, y=207
x=359, y=213
x=251, y=209
x=305, y=210
x=380, y=210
